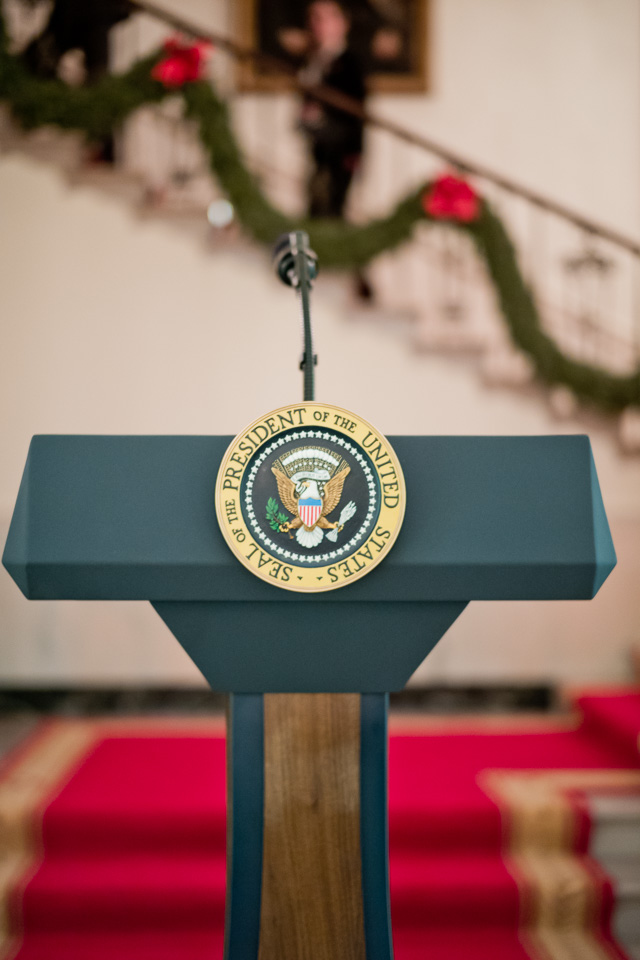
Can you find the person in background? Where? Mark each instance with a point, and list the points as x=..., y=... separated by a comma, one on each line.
x=78, y=25
x=335, y=138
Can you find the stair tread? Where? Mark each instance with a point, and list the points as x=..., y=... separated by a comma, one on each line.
x=130, y=890
x=128, y=894
x=120, y=868
x=125, y=871
x=488, y=944
x=146, y=944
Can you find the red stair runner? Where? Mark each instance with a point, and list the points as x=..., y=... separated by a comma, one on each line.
x=132, y=862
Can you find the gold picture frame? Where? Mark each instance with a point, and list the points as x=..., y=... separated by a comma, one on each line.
x=256, y=29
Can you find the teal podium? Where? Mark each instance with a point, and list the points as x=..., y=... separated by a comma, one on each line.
x=133, y=518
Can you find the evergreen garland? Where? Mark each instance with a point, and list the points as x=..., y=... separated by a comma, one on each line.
x=99, y=109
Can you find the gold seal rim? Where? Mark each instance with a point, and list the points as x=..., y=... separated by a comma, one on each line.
x=238, y=547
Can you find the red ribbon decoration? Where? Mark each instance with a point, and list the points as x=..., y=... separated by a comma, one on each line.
x=182, y=64
x=449, y=198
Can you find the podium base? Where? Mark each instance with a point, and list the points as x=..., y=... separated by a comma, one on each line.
x=307, y=827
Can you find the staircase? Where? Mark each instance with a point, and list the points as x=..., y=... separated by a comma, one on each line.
x=615, y=844
x=510, y=838
x=433, y=291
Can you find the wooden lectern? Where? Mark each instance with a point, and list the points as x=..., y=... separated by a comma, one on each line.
x=132, y=518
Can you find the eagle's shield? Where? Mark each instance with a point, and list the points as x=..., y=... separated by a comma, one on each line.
x=309, y=509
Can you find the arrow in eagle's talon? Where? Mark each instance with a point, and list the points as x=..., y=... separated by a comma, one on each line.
x=346, y=513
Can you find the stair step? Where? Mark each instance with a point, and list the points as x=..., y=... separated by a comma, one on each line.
x=132, y=794
x=616, y=719
x=429, y=893
x=109, y=179
x=483, y=944
x=626, y=922
x=50, y=145
x=140, y=892
x=625, y=876
x=127, y=945
x=446, y=826
x=71, y=833
x=126, y=893
x=176, y=210
x=479, y=943
x=447, y=336
x=615, y=831
x=487, y=944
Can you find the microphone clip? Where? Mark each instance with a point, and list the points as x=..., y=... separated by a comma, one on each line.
x=288, y=252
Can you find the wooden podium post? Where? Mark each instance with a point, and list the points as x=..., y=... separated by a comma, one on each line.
x=311, y=848
x=132, y=518
x=316, y=767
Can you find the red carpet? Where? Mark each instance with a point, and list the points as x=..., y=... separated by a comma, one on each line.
x=130, y=863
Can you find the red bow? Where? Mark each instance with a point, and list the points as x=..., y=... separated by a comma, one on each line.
x=182, y=64
x=449, y=198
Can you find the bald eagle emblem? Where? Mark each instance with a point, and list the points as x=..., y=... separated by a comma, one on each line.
x=310, y=482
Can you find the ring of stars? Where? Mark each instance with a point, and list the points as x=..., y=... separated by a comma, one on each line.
x=338, y=551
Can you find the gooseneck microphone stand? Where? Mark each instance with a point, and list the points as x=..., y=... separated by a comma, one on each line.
x=297, y=266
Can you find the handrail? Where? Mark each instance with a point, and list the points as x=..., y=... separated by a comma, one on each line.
x=349, y=105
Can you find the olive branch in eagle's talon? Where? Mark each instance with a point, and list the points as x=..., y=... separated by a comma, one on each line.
x=275, y=517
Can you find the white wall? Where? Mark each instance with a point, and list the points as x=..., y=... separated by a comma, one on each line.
x=111, y=324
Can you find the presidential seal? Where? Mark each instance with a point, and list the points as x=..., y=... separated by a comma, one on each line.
x=310, y=497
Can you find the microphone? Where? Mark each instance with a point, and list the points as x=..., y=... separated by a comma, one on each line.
x=287, y=252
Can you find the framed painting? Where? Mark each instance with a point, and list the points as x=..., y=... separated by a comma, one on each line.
x=390, y=38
